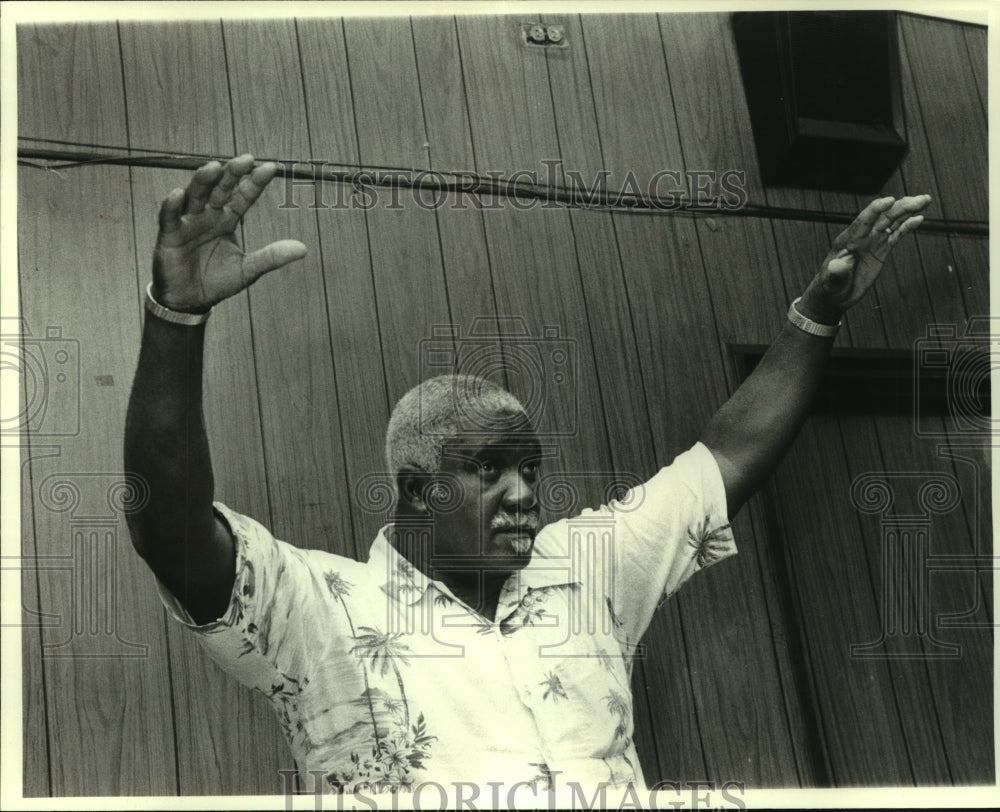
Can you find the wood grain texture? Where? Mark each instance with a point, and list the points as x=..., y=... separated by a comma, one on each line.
x=923, y=690
x=110, y=722
x=748, y=297
x=664, y=316
x=35, y=781
x=920, y=710
x=35, y=770
x=944, y=285
x=621, y=383
x=461, y=227
x=907, y=681
x=620, y=373
x=162, y=64
x=633, y=95
x=951, y=736
x=834, y=597
x=406, y=253
x=345, y=256
x=947, y=260
x=86, y=105
x=971, y=268
x=705, y=82
x=815, y=655
x=112, y=731
x=976, y=44
x=961, y=711
x=972, y=466
x=532, y=252
x=310, y=497
x=213, y=713
x=952, y=113
x=797, y=245
x=302, y=437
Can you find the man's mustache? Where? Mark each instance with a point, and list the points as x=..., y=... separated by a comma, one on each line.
x=520, y=521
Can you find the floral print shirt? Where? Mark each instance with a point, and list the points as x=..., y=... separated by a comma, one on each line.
x=381, y=678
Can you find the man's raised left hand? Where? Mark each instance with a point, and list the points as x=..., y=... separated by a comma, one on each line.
x=858, y=254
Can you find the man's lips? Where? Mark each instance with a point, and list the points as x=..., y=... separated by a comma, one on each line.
x=520, y=539
x=519, y=530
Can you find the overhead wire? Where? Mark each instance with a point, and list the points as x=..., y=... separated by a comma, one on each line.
x=453, y=182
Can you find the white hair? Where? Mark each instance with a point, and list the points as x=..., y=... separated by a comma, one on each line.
x=440, y=409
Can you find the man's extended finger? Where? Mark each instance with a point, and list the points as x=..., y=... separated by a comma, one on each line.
x=170, y=212
x=910, y=224
x=235, y=169
x=250, y=188
x=903, y=208
x=201, y=185
x=862, y=225
x=270, y=258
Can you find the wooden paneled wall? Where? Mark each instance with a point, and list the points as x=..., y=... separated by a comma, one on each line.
x=749, y=675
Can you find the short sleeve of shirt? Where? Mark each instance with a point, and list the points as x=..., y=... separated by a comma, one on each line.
x=260, y=639
x=638, y=550
x=666, y=530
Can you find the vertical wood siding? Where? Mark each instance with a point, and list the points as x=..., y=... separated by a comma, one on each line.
x=748, y=674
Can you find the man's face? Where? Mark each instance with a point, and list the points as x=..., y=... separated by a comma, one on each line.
x=492, y=520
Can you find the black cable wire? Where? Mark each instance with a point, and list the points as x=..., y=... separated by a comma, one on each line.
x=468, y=183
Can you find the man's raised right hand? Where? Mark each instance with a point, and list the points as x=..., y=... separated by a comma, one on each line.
x=197, y=261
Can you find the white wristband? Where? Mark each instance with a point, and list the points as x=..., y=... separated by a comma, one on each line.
x=174, y=316
x=807, y=325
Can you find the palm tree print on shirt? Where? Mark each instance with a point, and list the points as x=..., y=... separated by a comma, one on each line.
x=401, y=580
x=553, y=687
x=340, y=588
x=245, y=578
x=619, y=706
x=709, y=545
x=543, y=777
x=384, y=649
x=397, y=747
x=529, y=611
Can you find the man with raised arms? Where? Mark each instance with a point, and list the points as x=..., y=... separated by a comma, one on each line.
x=475, y=647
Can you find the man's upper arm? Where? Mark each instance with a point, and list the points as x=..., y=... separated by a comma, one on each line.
x=198, y=572
x=667, y=529
x=266, y=634
x=733, y=481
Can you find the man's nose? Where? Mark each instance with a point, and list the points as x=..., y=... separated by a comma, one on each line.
x=519, y=492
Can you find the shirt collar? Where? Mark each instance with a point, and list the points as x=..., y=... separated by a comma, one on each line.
x=396, y=576
x=399, y=579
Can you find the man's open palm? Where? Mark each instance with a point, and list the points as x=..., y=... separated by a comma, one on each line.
x=197, y=261
x=860, y=250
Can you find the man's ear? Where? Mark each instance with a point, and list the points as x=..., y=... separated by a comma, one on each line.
x=411, y=483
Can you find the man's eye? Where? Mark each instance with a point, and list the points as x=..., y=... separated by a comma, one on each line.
x=530, y=469
x=487, y=467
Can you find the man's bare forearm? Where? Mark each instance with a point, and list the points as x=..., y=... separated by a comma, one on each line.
x=751, y=432
x=197, y=263
x=165, y=443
